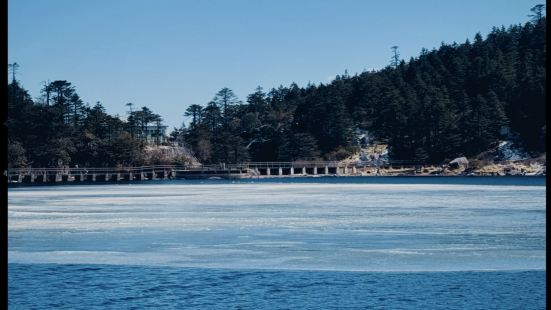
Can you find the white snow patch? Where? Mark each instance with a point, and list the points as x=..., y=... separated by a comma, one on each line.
x=507, y=150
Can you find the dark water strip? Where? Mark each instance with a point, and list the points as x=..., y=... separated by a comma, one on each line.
x=459, y=180
x=41, y=286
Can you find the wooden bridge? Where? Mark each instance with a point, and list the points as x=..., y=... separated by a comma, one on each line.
x=162, y=172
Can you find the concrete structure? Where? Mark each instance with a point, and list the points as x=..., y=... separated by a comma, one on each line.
x=241, y=170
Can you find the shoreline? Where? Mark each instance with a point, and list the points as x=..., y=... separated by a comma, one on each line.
x=277, y=177
x=526, y=169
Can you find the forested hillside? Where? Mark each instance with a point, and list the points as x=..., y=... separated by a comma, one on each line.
x=457, y=100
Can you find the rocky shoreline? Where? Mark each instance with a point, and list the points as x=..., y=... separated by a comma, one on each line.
x=494, y=169
x=512, y=168
x=474, y=168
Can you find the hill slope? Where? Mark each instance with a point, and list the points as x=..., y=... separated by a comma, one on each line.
x=458, y=100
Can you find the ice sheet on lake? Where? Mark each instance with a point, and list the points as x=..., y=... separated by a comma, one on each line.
x=365, y=227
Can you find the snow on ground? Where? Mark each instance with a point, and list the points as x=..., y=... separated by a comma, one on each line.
x=507, y=150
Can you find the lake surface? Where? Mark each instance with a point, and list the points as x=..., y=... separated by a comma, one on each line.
x=393, y=243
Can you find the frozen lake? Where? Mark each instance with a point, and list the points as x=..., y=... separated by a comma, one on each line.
x=280, y=226
x=316, y=226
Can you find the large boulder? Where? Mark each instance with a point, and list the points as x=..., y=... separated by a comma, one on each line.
x=460, y=162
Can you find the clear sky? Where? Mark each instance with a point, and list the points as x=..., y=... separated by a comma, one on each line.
x=169, y=54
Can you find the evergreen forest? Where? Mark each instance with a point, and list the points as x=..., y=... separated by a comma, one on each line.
x=457, y=100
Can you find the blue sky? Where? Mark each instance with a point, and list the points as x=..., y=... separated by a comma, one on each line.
x=168, y=54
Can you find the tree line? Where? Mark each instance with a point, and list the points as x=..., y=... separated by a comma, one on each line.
x=457, y=100
x=59, y=129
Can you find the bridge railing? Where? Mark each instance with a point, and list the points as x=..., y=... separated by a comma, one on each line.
x=89, y=170
x=264, y=165
x=287, y=164
x=210, y=167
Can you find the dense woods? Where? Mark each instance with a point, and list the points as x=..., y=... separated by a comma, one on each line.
x=457, y=100
x=58, y=129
